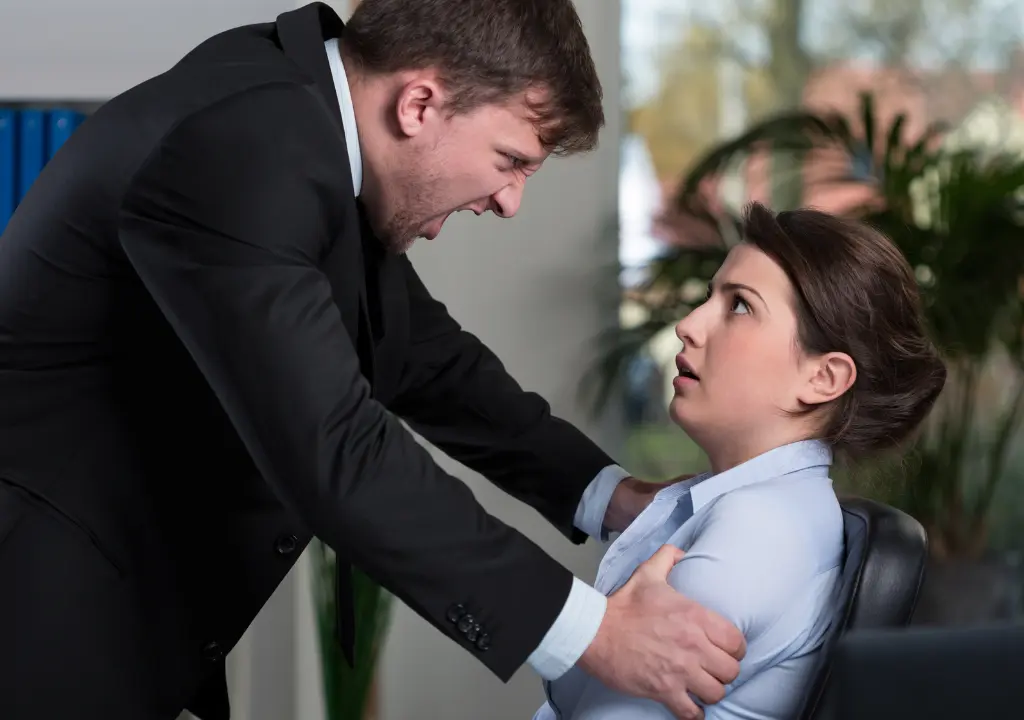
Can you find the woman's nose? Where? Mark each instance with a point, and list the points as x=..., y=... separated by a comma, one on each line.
x=689, y=331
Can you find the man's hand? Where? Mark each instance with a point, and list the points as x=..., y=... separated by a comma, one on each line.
x=630, y=498
x=656, y=643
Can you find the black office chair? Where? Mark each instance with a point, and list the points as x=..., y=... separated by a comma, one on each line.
x=886, y=552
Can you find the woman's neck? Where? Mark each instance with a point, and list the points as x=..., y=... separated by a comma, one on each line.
x=734, y=451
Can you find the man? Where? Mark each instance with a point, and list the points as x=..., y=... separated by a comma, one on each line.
x=209, y=332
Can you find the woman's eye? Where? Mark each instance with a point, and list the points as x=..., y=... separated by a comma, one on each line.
x=740, y=306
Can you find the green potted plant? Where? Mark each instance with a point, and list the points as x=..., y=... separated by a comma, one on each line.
x=957, y=213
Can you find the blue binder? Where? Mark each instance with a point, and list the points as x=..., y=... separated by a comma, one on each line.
x=7, y=166
x=31, y=148
x=60, y=125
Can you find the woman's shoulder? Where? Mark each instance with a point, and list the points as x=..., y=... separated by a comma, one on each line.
x=798, y=516
x=761, y=550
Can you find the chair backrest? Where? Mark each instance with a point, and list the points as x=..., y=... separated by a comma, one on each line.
x=886, y=554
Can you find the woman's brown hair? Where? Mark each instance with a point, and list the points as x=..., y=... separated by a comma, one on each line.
x=855, y=293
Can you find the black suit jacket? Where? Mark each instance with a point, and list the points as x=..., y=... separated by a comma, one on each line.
x=203, y=361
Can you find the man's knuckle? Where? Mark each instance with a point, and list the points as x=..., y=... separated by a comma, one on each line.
x=688, y=636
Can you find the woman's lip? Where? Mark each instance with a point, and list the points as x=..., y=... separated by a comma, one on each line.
x=681, y=382
x=683, y=365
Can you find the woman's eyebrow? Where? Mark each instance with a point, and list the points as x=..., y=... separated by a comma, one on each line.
x=740, y=286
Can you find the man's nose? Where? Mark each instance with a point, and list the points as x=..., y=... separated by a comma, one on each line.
x=505, y=203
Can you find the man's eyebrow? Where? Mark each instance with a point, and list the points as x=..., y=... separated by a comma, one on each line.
x=522, y=157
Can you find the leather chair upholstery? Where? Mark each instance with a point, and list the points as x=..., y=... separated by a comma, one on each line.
x=886, y=554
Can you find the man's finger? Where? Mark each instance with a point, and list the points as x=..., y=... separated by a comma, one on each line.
x=721, y=666
x=660, y=564
x=684, y=708
x=705, y=687
x=727, y=636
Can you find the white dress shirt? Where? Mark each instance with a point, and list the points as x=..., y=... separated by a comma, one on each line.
x=764, y=549
x=576, y=626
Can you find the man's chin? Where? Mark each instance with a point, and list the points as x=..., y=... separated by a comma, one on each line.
x=399, y=246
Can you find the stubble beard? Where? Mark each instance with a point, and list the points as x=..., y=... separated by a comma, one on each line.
x=405, y=225
x=400, y=235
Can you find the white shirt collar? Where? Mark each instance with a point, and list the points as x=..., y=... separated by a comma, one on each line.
x=348, y=113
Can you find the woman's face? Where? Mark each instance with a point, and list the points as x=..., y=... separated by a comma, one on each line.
x=742, y=372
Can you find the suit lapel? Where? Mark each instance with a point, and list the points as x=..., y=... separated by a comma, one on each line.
x=377, y=319
x=302, y=33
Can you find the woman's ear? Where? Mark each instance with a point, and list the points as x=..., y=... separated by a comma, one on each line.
x=829, y=376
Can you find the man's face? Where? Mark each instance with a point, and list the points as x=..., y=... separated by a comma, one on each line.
x=476, y=161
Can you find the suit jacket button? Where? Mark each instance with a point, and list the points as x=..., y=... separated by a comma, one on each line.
x=455, y=612
x=286, y=544
x=473, y=633
x=466, y=623
x=483, y=642
x=213, y=651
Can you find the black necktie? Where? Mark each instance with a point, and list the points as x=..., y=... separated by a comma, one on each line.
x=344, y=590
x=344, y=609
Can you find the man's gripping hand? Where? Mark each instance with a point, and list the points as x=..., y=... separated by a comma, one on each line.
x=658, y=644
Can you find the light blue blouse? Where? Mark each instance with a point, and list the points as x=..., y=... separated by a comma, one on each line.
x=764, y=549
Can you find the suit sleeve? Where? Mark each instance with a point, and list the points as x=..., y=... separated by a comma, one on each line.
x=224, y=225
x=458, y=395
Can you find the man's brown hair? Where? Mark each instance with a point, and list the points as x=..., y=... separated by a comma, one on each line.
x=489, y=51
x=855, y=293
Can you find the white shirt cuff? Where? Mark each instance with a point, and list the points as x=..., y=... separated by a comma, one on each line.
x=546, y=712
x=594, y=503
x=572, y=632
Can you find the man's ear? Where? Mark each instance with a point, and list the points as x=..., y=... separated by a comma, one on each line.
x=829, y=376
x=418, y=103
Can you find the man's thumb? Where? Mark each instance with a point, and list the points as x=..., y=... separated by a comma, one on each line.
x=660, y=564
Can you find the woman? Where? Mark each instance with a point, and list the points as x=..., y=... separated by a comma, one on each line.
x=810, y=344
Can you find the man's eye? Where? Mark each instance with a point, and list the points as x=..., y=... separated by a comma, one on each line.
x=514, y=162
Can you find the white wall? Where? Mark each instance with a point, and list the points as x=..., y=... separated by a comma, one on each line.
x=89, y=50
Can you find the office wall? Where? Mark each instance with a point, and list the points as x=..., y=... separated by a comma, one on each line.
x=93, y=49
